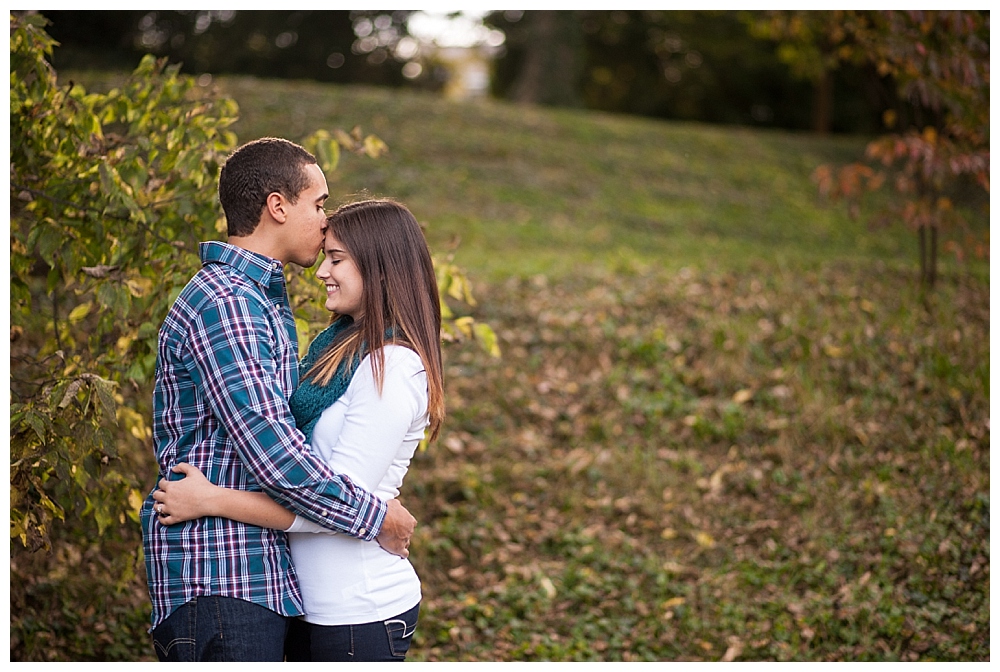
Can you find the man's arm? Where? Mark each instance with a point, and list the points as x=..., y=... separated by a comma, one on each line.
x=194, y=496
x=233, y=363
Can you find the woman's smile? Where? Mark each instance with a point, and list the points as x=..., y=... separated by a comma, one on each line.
x=340, y=275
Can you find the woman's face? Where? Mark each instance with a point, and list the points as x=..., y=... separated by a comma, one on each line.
x=344, y=285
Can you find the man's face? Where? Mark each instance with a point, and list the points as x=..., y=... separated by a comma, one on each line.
x=305, y=223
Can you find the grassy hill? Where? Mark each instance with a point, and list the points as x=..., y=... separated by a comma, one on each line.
x=726, y=425
x=547, y=191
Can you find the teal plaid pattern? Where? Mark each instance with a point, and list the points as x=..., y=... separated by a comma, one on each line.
x=227, y=362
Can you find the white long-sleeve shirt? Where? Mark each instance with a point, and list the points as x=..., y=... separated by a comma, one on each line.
x=371, y=439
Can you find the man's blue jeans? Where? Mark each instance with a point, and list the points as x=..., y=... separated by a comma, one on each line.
x=217, y=628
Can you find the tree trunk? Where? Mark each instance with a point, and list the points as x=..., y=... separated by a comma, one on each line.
x=552, y=60
x=823, y=108
x=922, y=231
x=933, y=260
x=928, y=256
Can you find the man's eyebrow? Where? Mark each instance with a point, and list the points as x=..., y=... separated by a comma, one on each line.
x=322, y=198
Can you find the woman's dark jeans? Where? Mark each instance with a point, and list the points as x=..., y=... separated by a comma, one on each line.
x=217, y=628
x=381, y=641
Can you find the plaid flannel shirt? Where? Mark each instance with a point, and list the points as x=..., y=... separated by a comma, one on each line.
x=226, y=365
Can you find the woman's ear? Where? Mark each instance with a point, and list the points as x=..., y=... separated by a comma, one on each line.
x=275, y=206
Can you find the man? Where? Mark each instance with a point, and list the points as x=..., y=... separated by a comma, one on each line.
x=226, y=365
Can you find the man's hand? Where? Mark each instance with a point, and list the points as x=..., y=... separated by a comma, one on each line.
x=397, y=528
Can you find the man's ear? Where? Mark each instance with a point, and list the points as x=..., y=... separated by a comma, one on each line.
x=275, y=206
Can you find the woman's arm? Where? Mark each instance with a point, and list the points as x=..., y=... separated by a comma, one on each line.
x=194, y=496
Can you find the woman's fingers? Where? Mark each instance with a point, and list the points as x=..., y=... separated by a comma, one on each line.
x=160, y=508
x=184, y=468
x=182, y=498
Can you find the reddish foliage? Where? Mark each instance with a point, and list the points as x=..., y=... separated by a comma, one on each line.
x=940, y=60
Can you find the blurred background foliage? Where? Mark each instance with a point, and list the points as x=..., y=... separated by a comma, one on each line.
x=728, y=422
x=685, y=65
x=324, y=45
x=920, y=77
x=688, y=65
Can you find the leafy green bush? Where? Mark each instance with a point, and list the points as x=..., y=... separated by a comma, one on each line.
x=110, y=194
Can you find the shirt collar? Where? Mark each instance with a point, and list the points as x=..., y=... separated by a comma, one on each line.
x=257, y=267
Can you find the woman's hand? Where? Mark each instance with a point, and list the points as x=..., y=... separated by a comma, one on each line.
x=189, y=498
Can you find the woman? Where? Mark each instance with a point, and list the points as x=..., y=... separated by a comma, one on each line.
x=371, y=384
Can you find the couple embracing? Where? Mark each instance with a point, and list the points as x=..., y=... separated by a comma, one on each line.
x=275, y=532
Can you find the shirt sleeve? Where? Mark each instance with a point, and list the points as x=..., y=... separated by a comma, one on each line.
x=233, y=362
x=301, y=524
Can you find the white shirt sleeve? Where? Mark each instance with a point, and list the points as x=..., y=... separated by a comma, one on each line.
x=375, y=426
x=301, y=524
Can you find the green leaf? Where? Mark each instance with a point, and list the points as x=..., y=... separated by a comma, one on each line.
x=37, y=423
x=375, y=147
x=148, y=330
x=328, y=154
x=455, y=287
x=487, y=338
x=464, y=325
x=80, y=312
x=105, y=393
x=113, y=296
x=48, y=240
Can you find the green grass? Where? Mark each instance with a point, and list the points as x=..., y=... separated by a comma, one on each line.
x=726, y=423
x=691, y=466
x=533, y=191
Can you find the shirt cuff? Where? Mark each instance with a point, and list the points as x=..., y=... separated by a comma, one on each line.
x=371, y=514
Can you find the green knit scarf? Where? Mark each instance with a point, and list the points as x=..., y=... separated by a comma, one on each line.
x=310, y=399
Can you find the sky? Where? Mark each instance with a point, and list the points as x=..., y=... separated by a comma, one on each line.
x=464, y=30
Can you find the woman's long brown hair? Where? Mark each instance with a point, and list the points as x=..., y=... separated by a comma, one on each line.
x=400, y=292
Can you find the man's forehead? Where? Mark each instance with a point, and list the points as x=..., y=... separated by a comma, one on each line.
x=316, y=176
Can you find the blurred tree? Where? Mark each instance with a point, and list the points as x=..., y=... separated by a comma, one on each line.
x=940, y=61
x=690, y=65
x=812, y=44
x=358, y=46
x=546, y=57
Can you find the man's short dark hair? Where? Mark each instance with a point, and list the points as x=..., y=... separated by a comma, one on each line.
x=256, y=169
